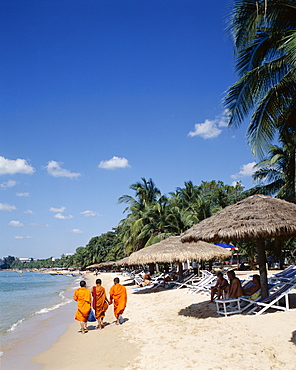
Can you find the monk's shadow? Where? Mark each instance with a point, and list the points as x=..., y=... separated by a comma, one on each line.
x=201, y=310
x=125, y=319
x=106, y=324
x=293, y=338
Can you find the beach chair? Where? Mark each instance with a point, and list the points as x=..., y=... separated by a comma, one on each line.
x=180, y=283
x=230, y=306
x=285, y=276
x=205, y=289
x=203, y=284
x=273, y=300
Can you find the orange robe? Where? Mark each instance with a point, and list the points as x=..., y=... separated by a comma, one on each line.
x=83, y=298
x=119, y=298
x=99, y=301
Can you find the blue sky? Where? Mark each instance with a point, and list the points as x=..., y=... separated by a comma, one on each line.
x=96, y=94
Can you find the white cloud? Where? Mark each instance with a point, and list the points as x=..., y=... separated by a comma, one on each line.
x=35, y=224
x=89, y=213
x=59, y=210
x=224, y=119
x=245, y=170
x=209, y=129
x=29, y=212
x=7, y=207
x=206, y=130
x=8, y=184
x=23, y=237
x=54, y=169
x=15, y=223
x=76, y=231
x=10, y=166
x=23, y=194
x=113, y=163
x=62, y=217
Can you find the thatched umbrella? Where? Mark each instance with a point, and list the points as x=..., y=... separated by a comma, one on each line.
x=93, y=266
x=107, y=263
x=173, y=250
x=123, y=261
x=256, y=217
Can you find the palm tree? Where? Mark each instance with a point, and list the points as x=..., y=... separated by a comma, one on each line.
x=133, y=229
x=146, y=194
x=264, y=37
x=278, y=170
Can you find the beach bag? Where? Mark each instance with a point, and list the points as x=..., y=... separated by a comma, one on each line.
x=91, y=316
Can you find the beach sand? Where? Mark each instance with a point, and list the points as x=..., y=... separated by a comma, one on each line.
x=169, y=329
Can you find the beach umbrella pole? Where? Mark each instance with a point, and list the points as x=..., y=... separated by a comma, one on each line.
x=262, y=267
x=180, y=269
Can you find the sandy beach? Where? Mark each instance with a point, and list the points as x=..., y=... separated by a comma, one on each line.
x=170, y=329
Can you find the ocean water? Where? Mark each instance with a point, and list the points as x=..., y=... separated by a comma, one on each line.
x=28, y=299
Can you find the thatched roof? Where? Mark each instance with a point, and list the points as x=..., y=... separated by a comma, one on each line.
x=108, y=263
x=93, y=266
x=173, y=250
x=258, y=216
x=123, y=261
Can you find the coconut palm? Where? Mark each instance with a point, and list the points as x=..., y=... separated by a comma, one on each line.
x=264, y=36
x=278, y=170
x=146, y=194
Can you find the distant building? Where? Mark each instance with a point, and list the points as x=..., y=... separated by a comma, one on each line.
x=25, y=259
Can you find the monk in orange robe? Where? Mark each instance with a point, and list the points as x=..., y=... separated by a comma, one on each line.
x=83, y=298
x=118, y=297
x=100, y=302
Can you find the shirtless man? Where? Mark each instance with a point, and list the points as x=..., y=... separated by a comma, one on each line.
x=234, y=289
x=254, y=288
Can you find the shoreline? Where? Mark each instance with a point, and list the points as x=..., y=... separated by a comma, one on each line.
x=163, y=329
x=97, y=347
x=35, y=334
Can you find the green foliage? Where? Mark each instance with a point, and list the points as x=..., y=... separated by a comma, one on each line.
x=264, y=38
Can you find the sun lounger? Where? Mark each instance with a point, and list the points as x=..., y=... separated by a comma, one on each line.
x=202, y=284
x=180, y=283
x=257, y=306
x=273, y=300
x=285, y=276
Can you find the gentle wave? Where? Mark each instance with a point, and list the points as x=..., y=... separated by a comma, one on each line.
x=40, y=312
x=16, y=324
x=61, y=294
x=48, y=309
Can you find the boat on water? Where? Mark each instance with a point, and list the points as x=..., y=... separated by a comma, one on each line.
x=61, y=274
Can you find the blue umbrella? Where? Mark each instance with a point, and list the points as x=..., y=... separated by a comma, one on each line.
x=228, y=246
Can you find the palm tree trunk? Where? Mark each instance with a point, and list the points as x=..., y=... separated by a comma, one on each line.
x=262, y=267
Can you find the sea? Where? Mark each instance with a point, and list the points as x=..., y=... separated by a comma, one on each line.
x=35, y=309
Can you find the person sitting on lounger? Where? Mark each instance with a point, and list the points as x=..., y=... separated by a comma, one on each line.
x=254, y=288
x=146, y=279
x=169, y=278
x=219, y=287
x=234, y=289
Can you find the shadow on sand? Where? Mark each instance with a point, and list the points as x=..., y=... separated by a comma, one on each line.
x=202, y=310
x=293, y=338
